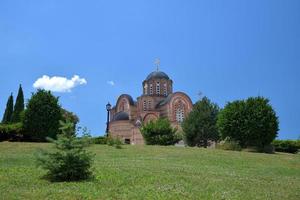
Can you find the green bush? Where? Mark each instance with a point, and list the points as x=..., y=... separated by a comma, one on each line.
x=70, y=161
x=100, y=140
x=288, y=146
x=159, y=132
x=228, y=144
x=268, y=149
x=11, y=132
x=116, y=142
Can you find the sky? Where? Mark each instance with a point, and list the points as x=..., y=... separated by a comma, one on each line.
x=90, y=52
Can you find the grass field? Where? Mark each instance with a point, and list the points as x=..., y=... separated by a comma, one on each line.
x=151, y=172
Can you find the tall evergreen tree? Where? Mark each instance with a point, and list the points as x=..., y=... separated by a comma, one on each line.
x=19, y=106
x=8, y=110
x=200, y=125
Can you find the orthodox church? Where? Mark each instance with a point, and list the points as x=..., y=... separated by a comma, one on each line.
x=157, y=100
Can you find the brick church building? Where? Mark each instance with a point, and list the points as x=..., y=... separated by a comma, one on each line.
x=157, y=100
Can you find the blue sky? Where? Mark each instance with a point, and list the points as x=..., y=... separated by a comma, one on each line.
x=228, y=50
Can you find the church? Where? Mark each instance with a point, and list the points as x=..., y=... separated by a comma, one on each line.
x=157, y=100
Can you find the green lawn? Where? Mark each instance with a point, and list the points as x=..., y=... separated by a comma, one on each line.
x=151, y=172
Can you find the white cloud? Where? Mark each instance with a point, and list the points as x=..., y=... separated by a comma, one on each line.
x=58, y=84
x=112, y=83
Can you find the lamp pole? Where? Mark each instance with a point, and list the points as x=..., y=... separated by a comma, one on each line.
x=108, y=108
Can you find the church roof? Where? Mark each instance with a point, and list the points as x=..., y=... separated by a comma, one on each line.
x=121, y=116
x=157, y=74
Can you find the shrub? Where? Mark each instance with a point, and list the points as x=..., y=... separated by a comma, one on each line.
x=42, y=116
x=159, y=132
x=100, y=140
x=288, y=146
x=251, y=122
x=200, y=124
x=229, y=144
x=268, y=149
x=116, y=142
x=69, y=161
x=11, y=132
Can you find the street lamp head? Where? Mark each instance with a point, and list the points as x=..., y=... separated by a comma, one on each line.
x=108, y=107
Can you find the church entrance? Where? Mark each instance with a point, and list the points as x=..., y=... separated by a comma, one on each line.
x=127, y=141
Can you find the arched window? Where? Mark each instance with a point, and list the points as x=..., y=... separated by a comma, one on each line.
x=123, y=105
x=158, y=88
x=165, y=90
x=144, y=105
x=179, y=112
x=149, y=105
x=151, y=89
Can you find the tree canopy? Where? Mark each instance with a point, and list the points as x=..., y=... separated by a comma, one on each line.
x=19, y=106
x=42, y=116
x=251, y=122
x=7, y=117
x=200, y=125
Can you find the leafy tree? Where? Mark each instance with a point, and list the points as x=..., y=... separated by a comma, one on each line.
x=7, y=117
x=70, y=161
x=251, y=122
x=42, y=116
x=159, y=132
x=68, y=116
x=19, y=106
x=200, y=125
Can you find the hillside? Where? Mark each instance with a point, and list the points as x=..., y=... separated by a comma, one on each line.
x=152, y=172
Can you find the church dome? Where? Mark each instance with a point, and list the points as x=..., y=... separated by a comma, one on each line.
x=121, y=116
x=157, y=74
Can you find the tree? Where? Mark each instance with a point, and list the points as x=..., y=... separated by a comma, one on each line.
x=159, y=132
x=200, y=125
x=7, y=117
x=70, y=161
x=19, y=106
x=69, y=116
x=42, y=116
x=251, y=122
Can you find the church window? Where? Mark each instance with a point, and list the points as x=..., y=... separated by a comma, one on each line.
x=144, y=105
x=165, y=90
x=149, y=105
x=151, y=89
x=158, y=88
x=179, y=111
x=123, y=105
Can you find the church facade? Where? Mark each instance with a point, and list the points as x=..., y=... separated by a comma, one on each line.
x=157, y=100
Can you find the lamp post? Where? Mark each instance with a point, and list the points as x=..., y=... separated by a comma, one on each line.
x=108, y=108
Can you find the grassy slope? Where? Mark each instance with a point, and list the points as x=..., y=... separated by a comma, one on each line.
x=147, y=172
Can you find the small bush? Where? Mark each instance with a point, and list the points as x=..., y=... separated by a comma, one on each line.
x=268, y=149
x=116, y=142
x=100, y=140
x=69, y=161
x=11, y=132
x=229, y=144
x=288, y=146
x=159, y=132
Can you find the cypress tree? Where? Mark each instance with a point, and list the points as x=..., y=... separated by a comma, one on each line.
x=8, y=110
x=19, y=106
